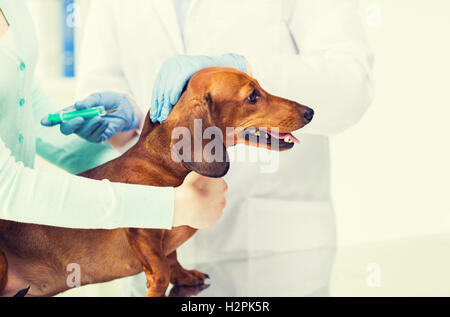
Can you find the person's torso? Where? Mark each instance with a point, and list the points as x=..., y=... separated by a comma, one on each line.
x=18, y=55
x=280, y=202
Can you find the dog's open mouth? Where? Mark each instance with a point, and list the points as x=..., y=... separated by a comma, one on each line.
x=266, y=137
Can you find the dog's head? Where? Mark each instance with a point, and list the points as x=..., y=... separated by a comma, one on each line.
x=222, y=107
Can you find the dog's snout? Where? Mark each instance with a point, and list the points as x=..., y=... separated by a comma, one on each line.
x=308, y=114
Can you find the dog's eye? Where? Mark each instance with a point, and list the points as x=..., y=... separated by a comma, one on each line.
x=254, y=97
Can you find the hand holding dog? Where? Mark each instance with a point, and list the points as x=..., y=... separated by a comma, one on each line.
x=199, y=201
x=176, y=72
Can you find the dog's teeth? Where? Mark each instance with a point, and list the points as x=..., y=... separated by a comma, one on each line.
x=287, y=140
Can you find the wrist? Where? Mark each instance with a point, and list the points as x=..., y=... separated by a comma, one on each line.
x=134, y=123
x=247, y=65
x=177, y=217
x=135, y=118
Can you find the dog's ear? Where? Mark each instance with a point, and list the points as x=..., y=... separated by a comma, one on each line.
x=201, y=148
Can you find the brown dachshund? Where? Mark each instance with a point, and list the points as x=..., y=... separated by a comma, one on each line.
x=38, y=256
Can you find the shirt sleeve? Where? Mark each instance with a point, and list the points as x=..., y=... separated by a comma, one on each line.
x=63, y=200
x=331, y=72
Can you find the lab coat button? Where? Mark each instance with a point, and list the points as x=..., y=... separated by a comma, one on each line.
x=20, y=138
x=21, y=102
x=22, y=66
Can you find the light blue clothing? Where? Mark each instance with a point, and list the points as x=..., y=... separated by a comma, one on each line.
x=58, y=199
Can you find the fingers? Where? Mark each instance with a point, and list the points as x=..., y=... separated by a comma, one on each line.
x=219, y=184
x=171, y=99
x=162, y=95
x=71, y=126
x=91, y=129
x=160, y=109
x=222, y=204
x=97, y=135
x=223, y=184
x=109, y=133
x=154, y=108
x=214, y=188
x=165, y=110
x=218, y=190
x=199, y=201
x=162, y=100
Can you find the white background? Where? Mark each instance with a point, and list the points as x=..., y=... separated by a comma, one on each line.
x=391, y=172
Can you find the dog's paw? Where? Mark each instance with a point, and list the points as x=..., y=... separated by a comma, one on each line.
x=187, y=291
x=188, y=277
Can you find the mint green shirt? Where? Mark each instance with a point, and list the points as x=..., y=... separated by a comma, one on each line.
x=58, y=199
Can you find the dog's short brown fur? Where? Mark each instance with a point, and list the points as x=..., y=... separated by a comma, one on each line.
x=38, y=255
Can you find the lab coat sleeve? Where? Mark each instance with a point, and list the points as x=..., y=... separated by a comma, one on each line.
x=100, y=65
x=71, y=153
x=64, y=200
x=332, y=71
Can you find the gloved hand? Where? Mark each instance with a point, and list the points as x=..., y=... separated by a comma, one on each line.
x=99, y=129
x=176, y=72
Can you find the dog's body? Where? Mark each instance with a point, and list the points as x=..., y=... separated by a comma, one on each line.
x=38, y=256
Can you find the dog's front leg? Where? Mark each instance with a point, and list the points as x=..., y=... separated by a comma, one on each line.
x=3, y=271
x=179, y=276
x=147, y=245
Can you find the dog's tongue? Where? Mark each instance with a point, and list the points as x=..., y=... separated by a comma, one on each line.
x=283, y=136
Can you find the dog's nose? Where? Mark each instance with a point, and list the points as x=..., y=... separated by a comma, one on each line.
x=308, y=114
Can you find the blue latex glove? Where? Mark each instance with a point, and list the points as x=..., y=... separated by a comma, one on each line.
x=99, y=129
x=176, y=72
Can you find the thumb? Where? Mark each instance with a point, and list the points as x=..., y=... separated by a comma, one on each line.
x=71, y=126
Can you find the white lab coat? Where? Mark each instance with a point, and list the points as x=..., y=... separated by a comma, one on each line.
x=310, y=51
